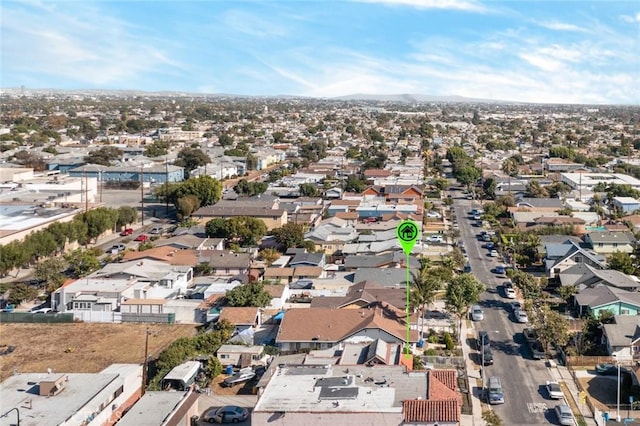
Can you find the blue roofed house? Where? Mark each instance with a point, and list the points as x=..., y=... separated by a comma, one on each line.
x=626, y=205
x=606, y=298
x=561, y=256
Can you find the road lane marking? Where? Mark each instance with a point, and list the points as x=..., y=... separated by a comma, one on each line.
x=536, y=407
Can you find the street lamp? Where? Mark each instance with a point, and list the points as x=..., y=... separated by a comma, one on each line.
x=619, y=360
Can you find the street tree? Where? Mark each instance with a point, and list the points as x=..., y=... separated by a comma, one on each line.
x=51, y=272
x=252, y=294
x=82, y=262
x=126, y=215
x=424, y=286
x=527, y=283
x=462, y=292
x=187, y=205
x=216, y=228
x=550, y=326
x=245, y=230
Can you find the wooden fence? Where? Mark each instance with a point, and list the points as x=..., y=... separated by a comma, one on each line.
x=588, y=361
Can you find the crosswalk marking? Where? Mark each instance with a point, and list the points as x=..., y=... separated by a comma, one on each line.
x=536, y=407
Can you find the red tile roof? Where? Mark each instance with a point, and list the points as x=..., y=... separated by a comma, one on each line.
x=422, y=411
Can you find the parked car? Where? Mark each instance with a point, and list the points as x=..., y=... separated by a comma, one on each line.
x=482, y=339
x=126, y=231
x=477, y=314
x=494, y=253
x=515, y=306
x=142, y=238
x=41, y=311
x=499, y=269
x=489, y=245
x=226, y=414
x=554, y=390
x=607, y=369
x=156, y=230
x=564, y=414
x=435, y=239
x=467, y=268
x=521, y=316
x=434, y=215
x=116, y=248
x=509, y=293
x=241, y=376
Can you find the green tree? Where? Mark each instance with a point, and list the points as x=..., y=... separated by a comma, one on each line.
x=250, y=189
x=550, y=326
x=308, y=190
x=424, y=286
x=489, y=187
x=269, y=255
x=225, y=140
x=354, y=184
x=191, y=158
x=38, y=245
x=51, y=271
x=216, y=228
x=528, y=285
x=20, y=292
x=251, y=162
x=207, y=189
x=187, y=205
x=622, y=262
x=535, y=190
x=289, y=235
x=12, y=256
x=82, y=262
x=157, y=149
x=245, y=230
x=104, y=155
x=126, y=215
x=462, y=292
x=252, y=294
x=100, y=220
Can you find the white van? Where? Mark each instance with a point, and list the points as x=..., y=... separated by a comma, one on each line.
x=495, y=392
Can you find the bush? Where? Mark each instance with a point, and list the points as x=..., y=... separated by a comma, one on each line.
x=431, y=352
x=448, y=341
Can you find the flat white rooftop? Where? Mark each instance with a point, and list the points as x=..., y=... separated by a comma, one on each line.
x=152, y=409
x=327, y=388
x=22, y=390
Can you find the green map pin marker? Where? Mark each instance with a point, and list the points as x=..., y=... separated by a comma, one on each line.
x=407, y=233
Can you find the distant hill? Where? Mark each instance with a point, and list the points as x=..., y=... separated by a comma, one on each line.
x=409, y=98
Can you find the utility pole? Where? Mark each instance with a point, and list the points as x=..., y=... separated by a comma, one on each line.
x=142, y=194
x=145, y=363
x=100, y=183
x=86, y=192
x=166, y=185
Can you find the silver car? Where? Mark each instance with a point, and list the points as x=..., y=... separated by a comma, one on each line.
x=477, y=314
x=226, y=414
x=565, y=416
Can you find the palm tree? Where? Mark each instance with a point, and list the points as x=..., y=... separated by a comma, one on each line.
x=424, y=288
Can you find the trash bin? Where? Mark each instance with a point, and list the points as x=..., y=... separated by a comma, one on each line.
x=229, y=369
x=194, y=420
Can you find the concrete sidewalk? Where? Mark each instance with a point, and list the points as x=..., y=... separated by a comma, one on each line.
x=562, y=374
x=474, y=377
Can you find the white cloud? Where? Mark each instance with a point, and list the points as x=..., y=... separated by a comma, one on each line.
x=631, y=19
x=561, y=26
x=462, y=5
x=252, y=25
x=87, y=46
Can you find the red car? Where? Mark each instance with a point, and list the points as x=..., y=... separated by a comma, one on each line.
x=126, y=232
x=142, y=238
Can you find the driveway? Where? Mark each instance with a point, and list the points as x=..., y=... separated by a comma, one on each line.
x=207, y=402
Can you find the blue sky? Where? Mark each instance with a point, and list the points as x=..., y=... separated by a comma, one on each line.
x=532, y=51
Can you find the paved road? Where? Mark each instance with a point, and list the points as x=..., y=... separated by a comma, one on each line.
x=525, y=400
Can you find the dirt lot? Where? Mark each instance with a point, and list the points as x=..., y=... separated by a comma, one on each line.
x=601, y=389
x=241, y=389
x=81, y=347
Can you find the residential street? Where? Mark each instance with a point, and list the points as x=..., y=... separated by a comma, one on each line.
x=522, y=377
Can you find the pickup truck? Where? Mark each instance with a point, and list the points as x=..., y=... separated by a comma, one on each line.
x=537, y=351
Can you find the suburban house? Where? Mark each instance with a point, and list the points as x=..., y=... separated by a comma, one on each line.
x=389, y=277
x=604, y=242
x=539, y=205
x=307, y=259
x=362, y=295
x=272, y=218
x=279, y=295
x=605, y=298
x=241, y=355
x=561, y=256
x=626, y=205
x=293, y=392
x=106, y=289
x=288, y=275
x=443, y=404
x=622, y=338
x=322, y=328
x=585, y=276
x=330, y=235
x=190, y=241
x=241, y=318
